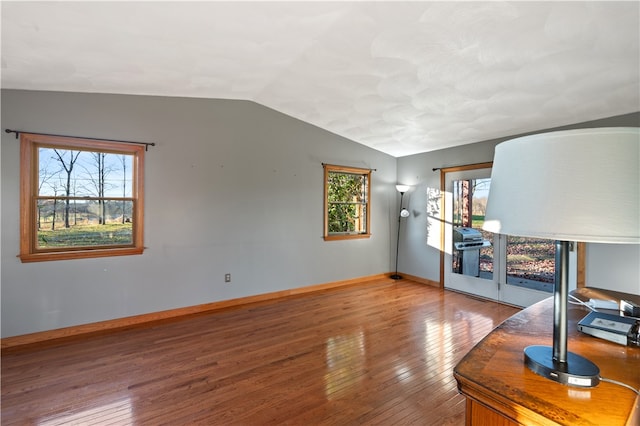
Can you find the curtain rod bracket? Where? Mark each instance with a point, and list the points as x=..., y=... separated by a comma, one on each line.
x=12, y=131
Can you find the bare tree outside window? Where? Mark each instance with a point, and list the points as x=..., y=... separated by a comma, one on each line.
x=96, y=174
x=124, y=161
x=46, y=173
x=67, y=160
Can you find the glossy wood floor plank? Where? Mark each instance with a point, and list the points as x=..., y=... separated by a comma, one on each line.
x=378, y=353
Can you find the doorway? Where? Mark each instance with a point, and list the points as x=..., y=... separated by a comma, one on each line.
x=514, y=270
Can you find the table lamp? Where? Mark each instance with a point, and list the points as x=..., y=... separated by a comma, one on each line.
x=574, y=185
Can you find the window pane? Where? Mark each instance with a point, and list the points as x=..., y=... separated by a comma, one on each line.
x=80, y=223
x=531, y=262
x=345, y=218
x=346, y=203
x=75, y=173
x=346, y=187
x=469, y=205
x=80, y=198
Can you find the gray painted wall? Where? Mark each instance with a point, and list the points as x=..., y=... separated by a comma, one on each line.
x=608, y=266
x=231, y=186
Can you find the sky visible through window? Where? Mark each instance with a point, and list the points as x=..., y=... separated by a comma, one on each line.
x=481, y=189
x=86, y=173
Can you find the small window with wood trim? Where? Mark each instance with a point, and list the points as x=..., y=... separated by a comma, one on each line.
x=347, y=193
x=80, y=198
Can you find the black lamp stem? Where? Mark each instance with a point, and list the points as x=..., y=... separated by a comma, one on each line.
x=396, y=276
x=555, y=363
x=560, y=298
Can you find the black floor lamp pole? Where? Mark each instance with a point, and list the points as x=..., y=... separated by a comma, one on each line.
x=396, y=276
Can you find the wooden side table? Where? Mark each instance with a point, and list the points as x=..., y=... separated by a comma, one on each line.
x=501, y=390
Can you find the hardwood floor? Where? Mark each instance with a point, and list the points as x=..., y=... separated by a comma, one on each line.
x=376, y=353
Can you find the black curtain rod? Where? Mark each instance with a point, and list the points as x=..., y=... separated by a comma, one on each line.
x=462, y=165
x=349, y=167
x=146, y=144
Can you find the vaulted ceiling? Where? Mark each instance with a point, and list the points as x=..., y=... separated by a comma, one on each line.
x=399, y=77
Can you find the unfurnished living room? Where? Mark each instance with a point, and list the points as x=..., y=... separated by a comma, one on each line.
x=320, y=213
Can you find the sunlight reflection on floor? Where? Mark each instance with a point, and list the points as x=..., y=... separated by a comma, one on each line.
x=115, y=413
x=345, y=362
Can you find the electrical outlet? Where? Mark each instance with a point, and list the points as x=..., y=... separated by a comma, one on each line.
x=227, y=278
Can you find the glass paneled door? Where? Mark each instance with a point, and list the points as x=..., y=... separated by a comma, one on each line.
x=514, y=270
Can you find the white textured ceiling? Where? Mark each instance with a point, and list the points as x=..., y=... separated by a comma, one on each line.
x=400, y=77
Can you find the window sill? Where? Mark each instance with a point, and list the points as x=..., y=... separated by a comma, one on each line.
x=346, y=237
x=79, y=254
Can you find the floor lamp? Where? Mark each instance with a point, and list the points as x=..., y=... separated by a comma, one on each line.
x=574, y=185
x=403, y=213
